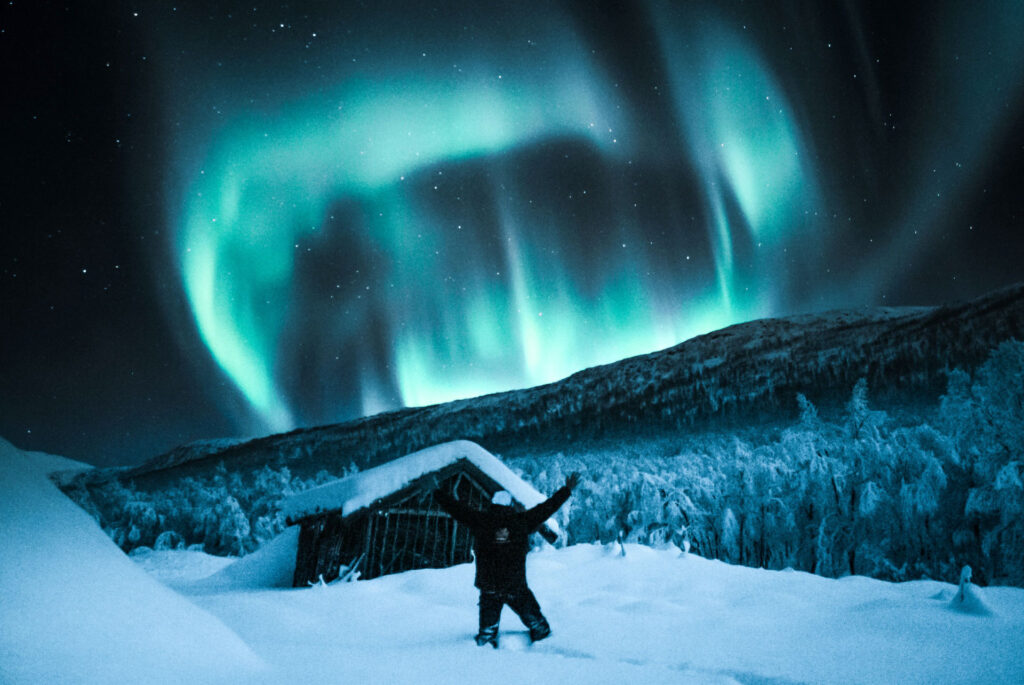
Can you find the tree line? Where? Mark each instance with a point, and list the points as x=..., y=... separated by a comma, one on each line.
x=862, y=492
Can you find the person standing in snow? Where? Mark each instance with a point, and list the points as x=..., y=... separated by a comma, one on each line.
x=500, y=542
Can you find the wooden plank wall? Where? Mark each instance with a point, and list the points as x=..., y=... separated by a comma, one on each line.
x=326, y=543
x=410, y=531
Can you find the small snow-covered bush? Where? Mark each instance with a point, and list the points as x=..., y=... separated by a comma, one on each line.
x=169, y=539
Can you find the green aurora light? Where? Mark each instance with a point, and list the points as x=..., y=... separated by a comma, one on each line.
x=460, y=328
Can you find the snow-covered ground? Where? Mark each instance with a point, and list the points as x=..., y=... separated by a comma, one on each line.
x=74, y=609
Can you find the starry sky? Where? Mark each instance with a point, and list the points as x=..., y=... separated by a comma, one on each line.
x=224, y=219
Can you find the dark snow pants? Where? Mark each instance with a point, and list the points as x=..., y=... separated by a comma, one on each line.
x=521, y=601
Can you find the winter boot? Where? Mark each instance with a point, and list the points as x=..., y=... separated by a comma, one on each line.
x=539, y=630
x=488, y=636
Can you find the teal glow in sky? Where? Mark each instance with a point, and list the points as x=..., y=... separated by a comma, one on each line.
x=517, y=294
x=339, y=208
x=440, y=209
x=740, y=132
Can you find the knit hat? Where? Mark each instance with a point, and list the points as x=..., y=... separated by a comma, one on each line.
x=502, y=498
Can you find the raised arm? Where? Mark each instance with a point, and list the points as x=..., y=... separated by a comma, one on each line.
x=457, y=510
x=546, y=509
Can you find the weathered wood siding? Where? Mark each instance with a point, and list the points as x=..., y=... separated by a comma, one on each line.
x=406, y=531
x=326, y=543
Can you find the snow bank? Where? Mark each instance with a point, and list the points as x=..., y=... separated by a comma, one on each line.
x=363, y=489
x=178, y=567
x=272, y=565
x=651, y=616
x=74, y=608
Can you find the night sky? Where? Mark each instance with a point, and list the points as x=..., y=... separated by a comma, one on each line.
x=224, y=219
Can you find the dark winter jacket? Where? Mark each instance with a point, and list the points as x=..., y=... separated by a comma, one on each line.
x=501, y=537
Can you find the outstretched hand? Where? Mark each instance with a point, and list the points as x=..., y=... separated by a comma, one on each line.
x=573, y=480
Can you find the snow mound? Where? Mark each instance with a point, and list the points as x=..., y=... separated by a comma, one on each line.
x=272, y=565
x=60, y=469
x=176, y=568
x=363, y=489
x=74, y=608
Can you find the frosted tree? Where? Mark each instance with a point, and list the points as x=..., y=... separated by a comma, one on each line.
x=920, y=465
x=769, y=523
x=232, y=528
x=132, y=519
x=730, y=536
x=861, y=420
x=814, y=497
x=985, y=416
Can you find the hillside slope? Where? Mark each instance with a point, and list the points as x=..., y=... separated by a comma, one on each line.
x=744, y=375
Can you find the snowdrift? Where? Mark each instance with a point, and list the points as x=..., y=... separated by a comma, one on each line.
x=74, y=608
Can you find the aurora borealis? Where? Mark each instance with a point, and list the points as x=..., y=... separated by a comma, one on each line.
x=350, y=209
x=480, y=296
x=268, y=192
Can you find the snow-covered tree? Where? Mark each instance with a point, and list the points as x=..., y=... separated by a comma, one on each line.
x=985, y=417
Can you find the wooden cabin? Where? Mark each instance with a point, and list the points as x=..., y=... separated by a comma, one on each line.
x=385, y=520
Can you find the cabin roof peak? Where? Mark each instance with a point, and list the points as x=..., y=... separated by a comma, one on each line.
x=360, y=490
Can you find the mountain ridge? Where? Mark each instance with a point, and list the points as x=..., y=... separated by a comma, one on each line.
x=746, y=373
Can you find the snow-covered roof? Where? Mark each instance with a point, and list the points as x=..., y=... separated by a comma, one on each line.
x=363, y=489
